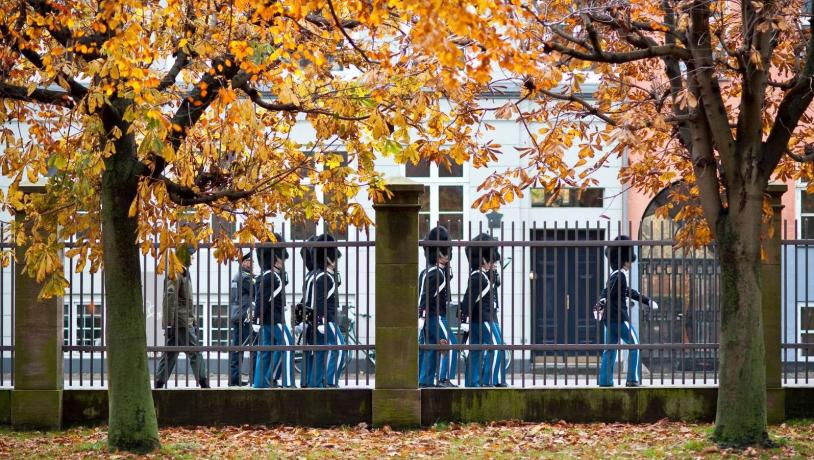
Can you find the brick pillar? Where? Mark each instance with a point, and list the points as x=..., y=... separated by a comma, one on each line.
x=396, y=398
x=770, y=282
x=36, y=400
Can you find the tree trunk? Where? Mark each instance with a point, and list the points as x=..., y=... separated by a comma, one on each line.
x=133, y=425
x=741, y=412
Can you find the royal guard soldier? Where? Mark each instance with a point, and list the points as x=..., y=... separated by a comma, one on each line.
x=477, y=311
x=434, y=286
x=324, y=367
x=269, y=319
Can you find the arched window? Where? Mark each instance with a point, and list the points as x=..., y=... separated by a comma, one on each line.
x=684, y=281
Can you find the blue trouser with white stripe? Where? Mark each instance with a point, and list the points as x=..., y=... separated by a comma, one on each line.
x=477, y=369
x=324, y=367
x=449, y=360
x=283, y=360
x=435, y=329
x=280, y=364
x=497, y=369
x=613, y=332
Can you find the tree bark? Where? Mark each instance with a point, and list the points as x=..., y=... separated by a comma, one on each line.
x=741, y=411
x=132, y=418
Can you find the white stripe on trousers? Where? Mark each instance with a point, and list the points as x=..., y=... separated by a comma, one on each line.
x=339, y=360
x=635, y=342
x=635, y=338
x=287, y=364
x=494, y=362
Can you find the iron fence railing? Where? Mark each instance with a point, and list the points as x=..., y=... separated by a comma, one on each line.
x=551, y=277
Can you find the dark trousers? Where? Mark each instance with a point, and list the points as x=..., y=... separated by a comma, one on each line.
x=241, y=334
x=185, y=337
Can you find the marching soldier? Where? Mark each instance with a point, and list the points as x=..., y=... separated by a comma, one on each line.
x=434, y=283
x=241, y=307
x=324, y=368
x=497, y=370
x=269, y=320
x=618, y=297
x=180, y=323
x=477, y=311
x=303, y=314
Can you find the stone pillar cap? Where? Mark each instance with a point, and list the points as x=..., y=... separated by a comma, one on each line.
x=402, y=184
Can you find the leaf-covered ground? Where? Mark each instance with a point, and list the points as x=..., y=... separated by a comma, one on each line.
x=508, y=440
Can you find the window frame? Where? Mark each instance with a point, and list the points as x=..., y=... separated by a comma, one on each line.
x=319, y=195
x=434, y=182
x=798, y=204
x=801, y=352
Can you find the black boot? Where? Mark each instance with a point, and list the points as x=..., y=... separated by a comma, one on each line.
x=204, y=383
x=160, y=384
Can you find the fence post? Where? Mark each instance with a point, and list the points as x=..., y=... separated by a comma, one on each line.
x=771, y=282
x=36, y=400
x=396, y=397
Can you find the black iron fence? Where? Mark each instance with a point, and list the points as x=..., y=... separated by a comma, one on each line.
x=551, y=278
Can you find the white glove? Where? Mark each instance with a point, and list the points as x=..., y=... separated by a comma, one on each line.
x=654, y=305
x=465, y=327
x=420, y=323
x=321, y=328
x=298, y=328
x=256, y=328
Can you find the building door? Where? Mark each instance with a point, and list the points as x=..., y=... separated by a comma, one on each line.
x=567, y=282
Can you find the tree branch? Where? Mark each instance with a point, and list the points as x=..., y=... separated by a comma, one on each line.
x=39, y=95
x=182, y=58
x=323, y=23
x=806, y=157
x=622, y=56
x=345, y=32
x=255, y=97
x=709, y=89
x=86, y=46
x=754, y=76
x=793, y=105
x=77, y=90
x=591, y=109
x=224, y=69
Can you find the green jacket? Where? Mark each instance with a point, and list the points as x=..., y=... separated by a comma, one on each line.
x=179, y=310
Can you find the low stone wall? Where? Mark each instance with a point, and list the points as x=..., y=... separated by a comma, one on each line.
x=572, y=405
x=319, y=408
x=316, y=408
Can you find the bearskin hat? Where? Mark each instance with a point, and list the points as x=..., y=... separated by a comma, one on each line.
x=323, y=254
x=618, y=255
x=439, y=233
x=477, y=255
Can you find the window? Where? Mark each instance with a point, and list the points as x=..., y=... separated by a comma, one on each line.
x=569, y=198
x=806, y=214
x=805, y=335
x=444, y=196
x=424, y=214
x=66, y=325
x=223, y=226
x=451, y=209
x=88, y=324
x=219, y=325
x=301, y=227
x=422, y=169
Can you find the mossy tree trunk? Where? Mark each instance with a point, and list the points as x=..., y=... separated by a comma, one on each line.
x=741, y=413
x=132, y=417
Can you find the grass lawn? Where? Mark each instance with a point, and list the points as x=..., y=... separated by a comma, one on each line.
x=507, y=440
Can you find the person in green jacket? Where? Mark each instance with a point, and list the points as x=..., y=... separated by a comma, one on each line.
x=180, y=324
